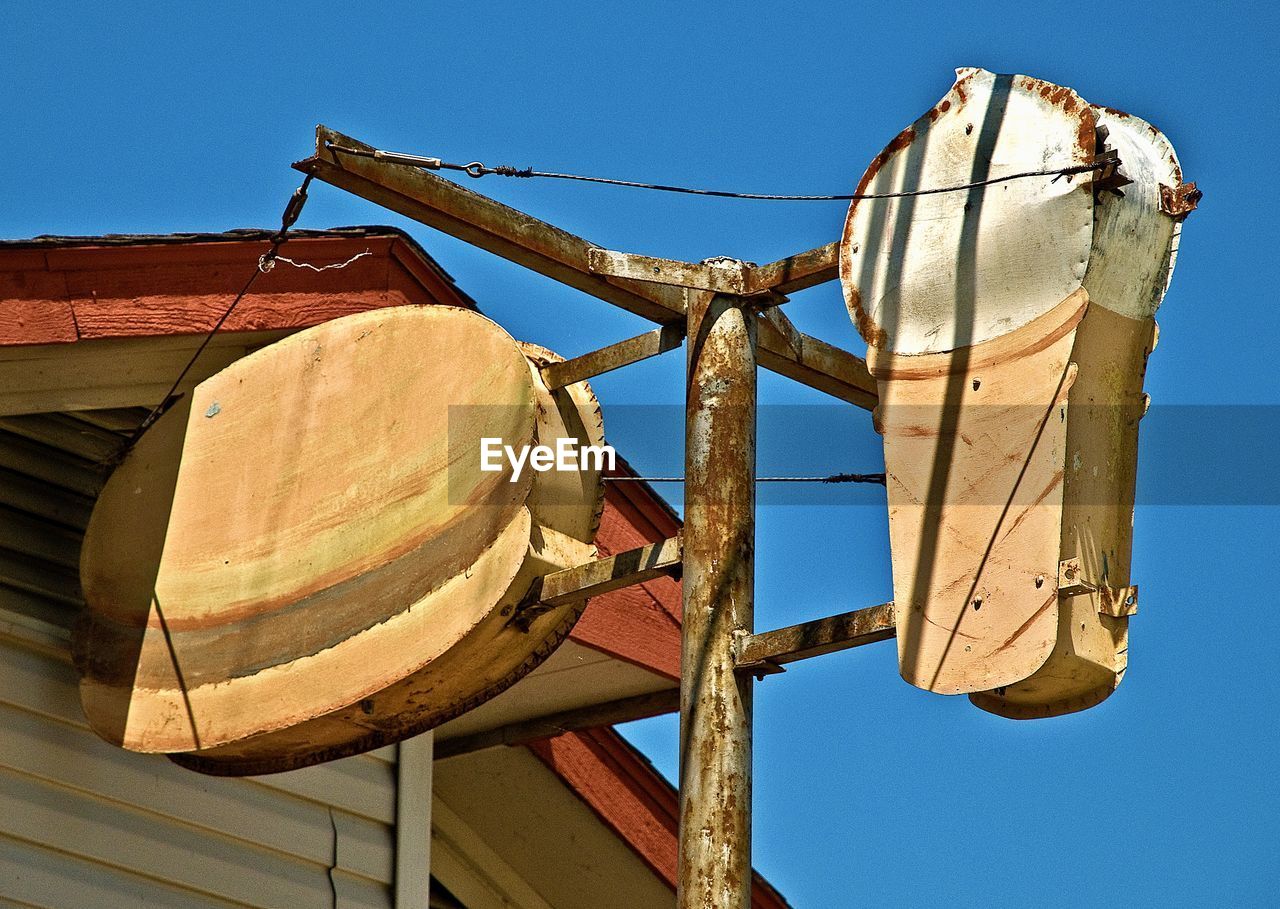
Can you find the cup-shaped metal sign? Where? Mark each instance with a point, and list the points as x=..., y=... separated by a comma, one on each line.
x=1008, y=325
x=310, y=557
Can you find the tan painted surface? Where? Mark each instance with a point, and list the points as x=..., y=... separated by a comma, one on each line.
x=504, y=802
x=1106, y=403
x=974, y=444
x=331, y=573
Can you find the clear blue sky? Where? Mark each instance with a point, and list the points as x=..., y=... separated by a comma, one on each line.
x=868, y=792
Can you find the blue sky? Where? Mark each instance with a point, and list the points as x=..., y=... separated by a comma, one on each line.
x=868, y=792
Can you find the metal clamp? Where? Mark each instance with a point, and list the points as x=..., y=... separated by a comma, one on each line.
x=1117, y=602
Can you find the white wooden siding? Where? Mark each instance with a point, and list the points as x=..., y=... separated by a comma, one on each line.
x=86, y=824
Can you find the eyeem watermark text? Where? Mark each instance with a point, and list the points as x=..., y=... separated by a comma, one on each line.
x=566, y=455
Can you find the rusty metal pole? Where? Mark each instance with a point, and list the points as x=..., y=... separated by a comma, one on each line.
x=719, y=582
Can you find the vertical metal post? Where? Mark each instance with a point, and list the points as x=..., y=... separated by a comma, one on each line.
x=719, y=591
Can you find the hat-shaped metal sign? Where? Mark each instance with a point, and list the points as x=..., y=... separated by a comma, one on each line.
x=1007, y=328
x=306, y=560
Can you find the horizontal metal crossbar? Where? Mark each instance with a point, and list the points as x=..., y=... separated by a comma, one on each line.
x=768, y=651
x=558, y=254
x=727, y=276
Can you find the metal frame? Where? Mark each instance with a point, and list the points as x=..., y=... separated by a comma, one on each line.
x=730, y=312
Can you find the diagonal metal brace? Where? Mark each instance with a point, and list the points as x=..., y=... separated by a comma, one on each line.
x=595, y=578
x=615, y=356
x=548, y=250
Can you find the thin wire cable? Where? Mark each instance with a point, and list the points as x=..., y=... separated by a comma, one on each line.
x=477, y=169
x=876, y=478
x=317, y=268
x=264, y=264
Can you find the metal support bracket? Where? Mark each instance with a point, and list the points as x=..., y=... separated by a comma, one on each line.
x=765, y=653
x=592, y=579
x=615, y=356
x=722, y=274
x=1116, y=602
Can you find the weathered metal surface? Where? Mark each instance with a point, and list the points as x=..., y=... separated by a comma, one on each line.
x=946, y=289
x=592, y=579
x=974, y=446
x=725, y=275
x=1130, y=265
x=558, y=254
x=1181, y=200
x=485, y=223
x=813, y=362
x=623, y=710
x=757, y=652
x=1117, y=602
x=798, y=272
x=719, y=579
x=937, y=272
x=1071, y=579
x=354, y=592
x=1134, y=242
x=615, y=356
x=722, y=276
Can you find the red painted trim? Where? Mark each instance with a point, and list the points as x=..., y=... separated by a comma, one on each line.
x=64, y=293
x=638, y=624
x=631, y=799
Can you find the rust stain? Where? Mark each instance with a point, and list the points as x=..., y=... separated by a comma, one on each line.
x=1057, y=95
x=936, y=112
x=1022, y=629
x=956, y=631
x=1179, y=201
x=1055, y=482
x=900, y=141
x=872, y=333
x=1087, y=134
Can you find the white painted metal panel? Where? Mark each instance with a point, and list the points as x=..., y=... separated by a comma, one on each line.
x=1134, y=242
x=932, y=273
